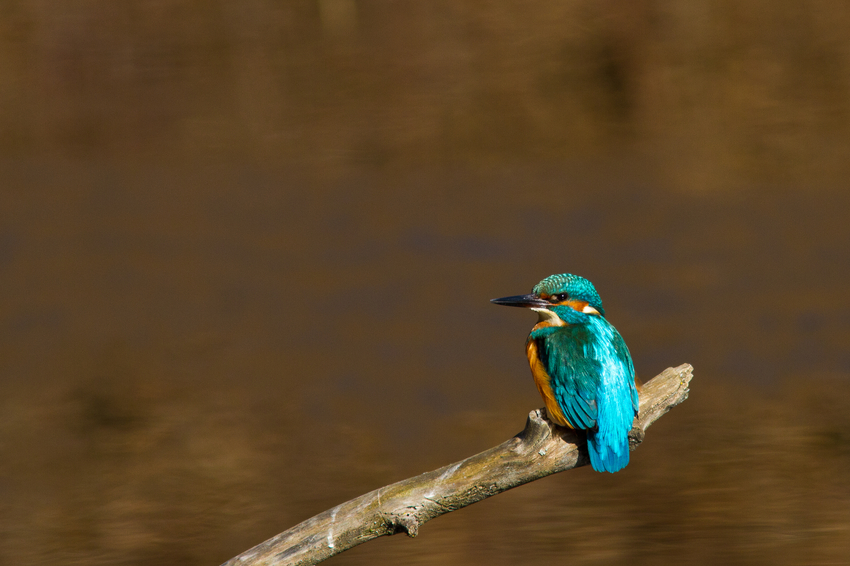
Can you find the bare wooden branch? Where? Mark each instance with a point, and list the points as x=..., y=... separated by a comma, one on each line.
x=540, y=450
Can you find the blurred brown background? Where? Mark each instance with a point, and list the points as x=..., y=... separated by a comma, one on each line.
x=246, y=252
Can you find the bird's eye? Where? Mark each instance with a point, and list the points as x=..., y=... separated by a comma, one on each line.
x=560, y=297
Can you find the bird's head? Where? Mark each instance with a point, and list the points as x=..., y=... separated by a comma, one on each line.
x=561, y=299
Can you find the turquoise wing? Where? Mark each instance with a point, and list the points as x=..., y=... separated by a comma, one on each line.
x=592, y=378
x=574, y=377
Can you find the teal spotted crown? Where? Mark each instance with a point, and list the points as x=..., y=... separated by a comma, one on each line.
x=576, y=287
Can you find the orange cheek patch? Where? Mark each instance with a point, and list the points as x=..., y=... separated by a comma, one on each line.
x=575, y=304
x=580, y=306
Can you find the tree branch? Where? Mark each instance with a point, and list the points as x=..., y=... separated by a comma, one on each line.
x=538, y=451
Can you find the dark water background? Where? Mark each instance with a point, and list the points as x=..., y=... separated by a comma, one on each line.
x=246, y=253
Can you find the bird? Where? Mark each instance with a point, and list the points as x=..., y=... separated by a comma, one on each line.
x=581, y=366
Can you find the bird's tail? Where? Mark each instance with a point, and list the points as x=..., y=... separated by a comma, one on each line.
x=607, y=454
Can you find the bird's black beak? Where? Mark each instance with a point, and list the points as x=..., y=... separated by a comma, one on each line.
x=527, y=301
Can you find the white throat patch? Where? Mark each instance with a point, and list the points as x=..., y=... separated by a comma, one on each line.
x=548, y=317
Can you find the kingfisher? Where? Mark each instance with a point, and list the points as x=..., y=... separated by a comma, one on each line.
x=581, y=366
